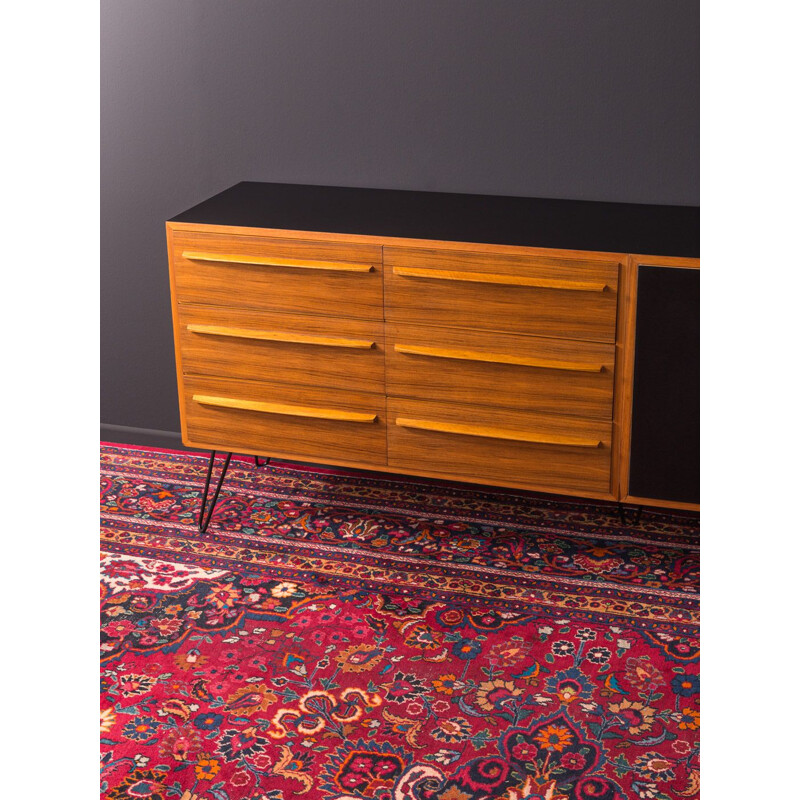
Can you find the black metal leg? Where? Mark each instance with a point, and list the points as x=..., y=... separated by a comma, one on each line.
x=204, y=518
x=637, y=515
x=208, y=483
x=266, y=461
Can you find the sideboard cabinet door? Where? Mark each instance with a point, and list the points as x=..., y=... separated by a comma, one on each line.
x=665, y=431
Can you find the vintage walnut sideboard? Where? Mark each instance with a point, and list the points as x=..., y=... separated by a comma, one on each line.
x=548, y=345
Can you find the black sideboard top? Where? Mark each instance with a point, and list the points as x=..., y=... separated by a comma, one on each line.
x=483, y=219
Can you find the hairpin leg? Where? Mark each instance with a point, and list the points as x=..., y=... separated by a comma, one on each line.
x=634, y=520
x=266, y=461
x=204, y=519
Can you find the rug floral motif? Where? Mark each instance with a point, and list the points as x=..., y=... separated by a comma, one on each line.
x=359, y=637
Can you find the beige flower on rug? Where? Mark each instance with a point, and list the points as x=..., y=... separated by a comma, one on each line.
x=107, y=720
x=285, y=589
x=492, y=695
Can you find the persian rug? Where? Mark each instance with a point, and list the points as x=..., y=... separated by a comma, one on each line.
x=343, y=635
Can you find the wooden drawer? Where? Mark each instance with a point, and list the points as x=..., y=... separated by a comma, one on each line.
x=318, y=351
x=569, y=298
x=285, y=420
x=557, y=376
x=497, y=446
x=268, y=274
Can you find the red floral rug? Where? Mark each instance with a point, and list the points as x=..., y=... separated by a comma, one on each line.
x=340, y=635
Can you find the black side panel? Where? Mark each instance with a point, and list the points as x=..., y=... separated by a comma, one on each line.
x=665, y=438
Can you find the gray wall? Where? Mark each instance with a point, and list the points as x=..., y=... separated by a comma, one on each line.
x=549, y=98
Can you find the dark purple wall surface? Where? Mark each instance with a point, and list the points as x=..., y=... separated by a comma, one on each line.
x=577, y=100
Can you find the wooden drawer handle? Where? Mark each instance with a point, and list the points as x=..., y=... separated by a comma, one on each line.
x=280, y=336
x=496, y=358
x=230, y=258
x=509, y=280
x=494, y=433
x=286, y=410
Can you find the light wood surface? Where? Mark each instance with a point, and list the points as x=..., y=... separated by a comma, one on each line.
x=310, y=423
x=478, y=458
x=623, y=384
x=620, y=455
x=506, y=370
x=261, y=244
x=283, y=409
x=485, y=432
x=176, y=331
x=495, y=358
x=280, y=336
x=301, y=349
x=243, y=285
x=506, y=280
x=233, y=258
x=524, y=309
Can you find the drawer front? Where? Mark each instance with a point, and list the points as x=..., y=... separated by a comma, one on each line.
x=555, y=376
x=535, y=451
x=285, y=420
x=574, y=299
x=268, y=274
x=290, y=348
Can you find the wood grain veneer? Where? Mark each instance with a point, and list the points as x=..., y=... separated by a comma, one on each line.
x=460, y=365
x=547, y=296
x=274, y=261
x=261, y=279
x=247, y=415
x=284, y=409
x=293, y=348
x=481, y=444
x=279, y=336
x=460, y=276
x=493, y=432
